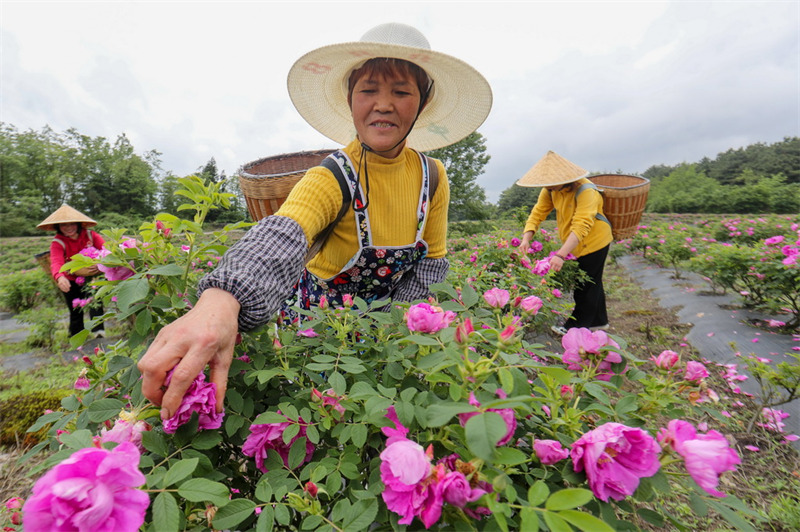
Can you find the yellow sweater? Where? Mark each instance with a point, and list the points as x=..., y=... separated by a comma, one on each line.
x=573, y=217
x=394, y=186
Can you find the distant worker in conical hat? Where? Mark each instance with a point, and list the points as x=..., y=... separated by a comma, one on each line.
x=73, y=234
x=584, y=231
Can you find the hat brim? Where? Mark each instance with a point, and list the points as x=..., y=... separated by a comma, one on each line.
x=551, y=182
x=65, y=215
x=461, y=101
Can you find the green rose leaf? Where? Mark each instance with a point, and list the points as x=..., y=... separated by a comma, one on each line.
x=361, y=515
x=483, y=431
x=166, y=514
x=441, y=413
x=232, y=514
x=568, y=498
x=104, y=409
x=180, y=470
x=203, y=490
x=584, y=521
x=168, y=270
x=538, y=493
x=131, y=291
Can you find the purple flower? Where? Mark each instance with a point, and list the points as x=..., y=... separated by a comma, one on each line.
x=394, y=434
x=82, y=382
x=549, y=451
x=201, y=397
x=456, y=489
x=515, y=242
x=706, y=456
x=404, y=467
x=615, y=458
x=92, y=490
x=126, y=428
x=496, y=297
x=666, y=359
x=584, y=348
x=116, y=273
x=695, y=371
x=426, y=318
x=268, y=436
x=531, y=305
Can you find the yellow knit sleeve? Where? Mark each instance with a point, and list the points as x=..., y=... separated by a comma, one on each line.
x=314, y=202
x=543, y=207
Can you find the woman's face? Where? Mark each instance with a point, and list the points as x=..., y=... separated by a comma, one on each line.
x=384, y=109
x=69, y=230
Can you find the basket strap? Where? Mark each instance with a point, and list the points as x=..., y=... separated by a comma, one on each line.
x=323, y=236
x=584, y=187
x=330, y=164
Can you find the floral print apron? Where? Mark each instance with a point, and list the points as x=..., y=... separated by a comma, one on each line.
x=373, y=272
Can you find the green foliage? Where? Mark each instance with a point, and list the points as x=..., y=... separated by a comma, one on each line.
x=44, y=331
x=26, y=290
x=516, y=197
x=464, y=161
x=366, y=362
x=41, y=170
x=19, y=412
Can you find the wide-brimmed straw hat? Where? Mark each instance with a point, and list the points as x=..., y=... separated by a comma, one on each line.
x=64, y=215
x=460, y=101
x=551, y=170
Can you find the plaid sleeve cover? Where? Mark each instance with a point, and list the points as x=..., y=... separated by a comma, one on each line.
x=414, y=284
x=261, y=269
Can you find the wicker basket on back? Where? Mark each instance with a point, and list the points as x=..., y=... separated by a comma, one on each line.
x=624, y=199
x=266, y=183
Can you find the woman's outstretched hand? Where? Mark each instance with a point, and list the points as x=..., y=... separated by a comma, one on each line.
x=203, y=336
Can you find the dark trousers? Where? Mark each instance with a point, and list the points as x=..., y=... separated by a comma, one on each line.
x=590, y=297
x=77, y=291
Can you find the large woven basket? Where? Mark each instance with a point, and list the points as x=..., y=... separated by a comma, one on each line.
x=624, y=199
x=266, y=183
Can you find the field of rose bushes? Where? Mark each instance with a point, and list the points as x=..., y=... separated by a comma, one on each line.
x=444, y=414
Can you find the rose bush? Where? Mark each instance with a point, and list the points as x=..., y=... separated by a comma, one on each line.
x=440, y=414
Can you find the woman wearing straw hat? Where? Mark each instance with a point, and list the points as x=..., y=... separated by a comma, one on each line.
x=72, y=236
x=582, y=227
x=383, y=97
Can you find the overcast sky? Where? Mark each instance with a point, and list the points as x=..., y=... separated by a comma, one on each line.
x=611, y=86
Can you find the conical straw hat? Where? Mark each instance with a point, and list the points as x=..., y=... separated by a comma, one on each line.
x=64, y=215
x=552, y=169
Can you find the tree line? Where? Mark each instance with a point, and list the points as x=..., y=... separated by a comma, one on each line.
x=109, y=181
x=760, y=178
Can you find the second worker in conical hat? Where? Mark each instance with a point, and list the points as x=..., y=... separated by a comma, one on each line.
x=584, y=231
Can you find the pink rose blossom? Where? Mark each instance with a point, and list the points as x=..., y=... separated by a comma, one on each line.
x=615, y=458
x=329, y=400
x=268, y=436
x=585, y=348
x=695, y=371
x=496, y=297
x=463, y=331
x=515, y=242
x=773, y=419
x=200, y=398
x=549, y=451
x=556, y=292
x=82, y=383
x=394, y=434
x=531, y=305
x=308, y=333
x=706, y=456
x=456, y=489
x=426, y=318
x=92, y=490
x=542, y=267
x=404, y=464
x=666, y=359
x=14, y=503
x=126, y=428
